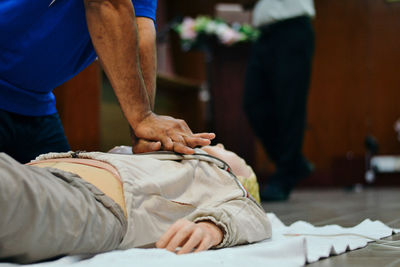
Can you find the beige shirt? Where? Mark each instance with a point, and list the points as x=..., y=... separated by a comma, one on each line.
x=270, y=11
x=164, y=187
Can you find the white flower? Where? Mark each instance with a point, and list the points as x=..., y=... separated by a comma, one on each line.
x=229, y=37
x=220, y=29
x=211, y=27
x=188, y=29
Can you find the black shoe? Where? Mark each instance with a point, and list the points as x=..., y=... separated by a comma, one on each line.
x=302, y=173
x=274, y=192
x=280, y=186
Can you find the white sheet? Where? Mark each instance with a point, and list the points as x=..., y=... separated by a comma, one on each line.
x=280, y=250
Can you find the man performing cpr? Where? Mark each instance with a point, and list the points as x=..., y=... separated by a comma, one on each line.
x=44, y=43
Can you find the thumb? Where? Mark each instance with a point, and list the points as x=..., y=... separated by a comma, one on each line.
x=143, y=146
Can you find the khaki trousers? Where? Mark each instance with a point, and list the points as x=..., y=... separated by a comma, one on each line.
x=46, y=212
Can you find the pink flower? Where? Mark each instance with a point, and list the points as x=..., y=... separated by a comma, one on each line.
x=188, y=29
x=229, y=36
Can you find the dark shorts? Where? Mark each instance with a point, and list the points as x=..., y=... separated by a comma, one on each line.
x=25, y=137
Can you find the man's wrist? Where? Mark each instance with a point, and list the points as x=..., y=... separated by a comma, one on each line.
x=138, y=116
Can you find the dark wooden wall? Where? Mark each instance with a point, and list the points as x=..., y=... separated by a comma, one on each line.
x=355, y=85
x=78, y=103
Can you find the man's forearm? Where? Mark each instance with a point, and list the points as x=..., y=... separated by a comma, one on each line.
x=148, y=65
x=113, y=31
x=148, y=56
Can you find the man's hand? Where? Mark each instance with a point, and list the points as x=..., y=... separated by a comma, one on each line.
x=190, y=236
x=168, y=134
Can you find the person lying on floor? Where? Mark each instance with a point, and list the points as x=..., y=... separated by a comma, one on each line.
x=92, y=202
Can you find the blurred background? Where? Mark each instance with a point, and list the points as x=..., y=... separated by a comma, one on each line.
x=353, y=102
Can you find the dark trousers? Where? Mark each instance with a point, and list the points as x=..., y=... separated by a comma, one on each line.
x=276, y=88
x=25, y=137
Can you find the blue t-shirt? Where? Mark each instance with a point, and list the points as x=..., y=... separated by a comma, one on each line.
x=43, y=46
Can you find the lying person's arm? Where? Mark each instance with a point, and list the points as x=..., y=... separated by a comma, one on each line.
x=241, y=219
x=235, y=219
x=239, y=227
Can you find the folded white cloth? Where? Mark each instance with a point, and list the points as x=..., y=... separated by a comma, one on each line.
x=329, y=240
x=292, y=245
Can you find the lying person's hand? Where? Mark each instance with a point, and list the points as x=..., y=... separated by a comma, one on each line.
x=190, y=236
x=167, y=133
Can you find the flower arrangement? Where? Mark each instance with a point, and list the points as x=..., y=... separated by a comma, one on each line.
x=193, y=31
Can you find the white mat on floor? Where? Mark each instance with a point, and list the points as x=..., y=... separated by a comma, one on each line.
x=280, y=250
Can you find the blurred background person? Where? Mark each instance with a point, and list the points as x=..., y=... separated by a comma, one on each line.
x=276, y=89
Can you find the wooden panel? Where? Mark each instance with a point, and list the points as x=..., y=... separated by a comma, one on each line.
x=78, y=103
x=384, y=74
x=337, y=105
x=355, y=87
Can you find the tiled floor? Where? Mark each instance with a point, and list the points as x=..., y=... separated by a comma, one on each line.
x=346, y=208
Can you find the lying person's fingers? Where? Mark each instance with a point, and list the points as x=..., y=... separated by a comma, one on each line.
x=143, y=146
x=196, y=237
x=166, y=237
x=205, y=244
x=190, y=236
x=213, y=231
x=183, y=234
x=176, y=235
